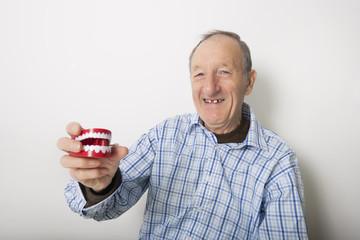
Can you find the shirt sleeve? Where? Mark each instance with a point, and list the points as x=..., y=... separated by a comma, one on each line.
x=93, y=198
x=283, y=209
x=135, y=171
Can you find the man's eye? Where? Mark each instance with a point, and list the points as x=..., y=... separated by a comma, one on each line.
x=199, y=74
x=223, y=72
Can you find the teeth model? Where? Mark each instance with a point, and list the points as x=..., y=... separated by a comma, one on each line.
x=96, y=143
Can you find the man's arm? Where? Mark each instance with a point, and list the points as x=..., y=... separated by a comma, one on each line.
x=135, y=173
x=283, y=208
x=93, y=198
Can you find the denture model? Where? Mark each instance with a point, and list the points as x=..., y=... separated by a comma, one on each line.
x=96, y=143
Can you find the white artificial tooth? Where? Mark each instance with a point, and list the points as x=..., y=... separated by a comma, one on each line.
x=103, y=149
x=78, y=138
x=86, y=148
x=97, y=148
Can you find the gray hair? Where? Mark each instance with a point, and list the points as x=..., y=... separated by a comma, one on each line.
x=247, y=64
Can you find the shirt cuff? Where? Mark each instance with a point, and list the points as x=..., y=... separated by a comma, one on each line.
x=93, y=197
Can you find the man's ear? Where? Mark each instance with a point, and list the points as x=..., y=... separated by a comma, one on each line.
x=251, y=81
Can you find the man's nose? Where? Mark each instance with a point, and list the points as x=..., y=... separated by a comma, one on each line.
x=212, y=86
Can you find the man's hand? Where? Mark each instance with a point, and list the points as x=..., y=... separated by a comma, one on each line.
x=91, y=172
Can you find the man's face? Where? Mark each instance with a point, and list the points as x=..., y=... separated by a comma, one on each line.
x=218, y=84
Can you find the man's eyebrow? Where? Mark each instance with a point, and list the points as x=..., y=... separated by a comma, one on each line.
x=194, y=68
x=230, y=66
x=226, y=65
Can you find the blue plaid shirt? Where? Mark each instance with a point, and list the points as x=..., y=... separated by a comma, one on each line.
x=199, y=189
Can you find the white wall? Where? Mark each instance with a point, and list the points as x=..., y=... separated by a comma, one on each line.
x=123, y=66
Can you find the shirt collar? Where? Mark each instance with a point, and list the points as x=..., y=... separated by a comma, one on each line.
x=255, y=136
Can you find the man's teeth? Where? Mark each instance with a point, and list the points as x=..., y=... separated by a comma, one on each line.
x=93, y=135
x=213, y=101
x=96, y=148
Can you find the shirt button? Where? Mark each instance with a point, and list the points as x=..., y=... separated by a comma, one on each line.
x=217, y=147
x=208, y=178
x=188, y=238
x=199, y=209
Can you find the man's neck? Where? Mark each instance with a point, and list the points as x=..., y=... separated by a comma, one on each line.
x=237, y=135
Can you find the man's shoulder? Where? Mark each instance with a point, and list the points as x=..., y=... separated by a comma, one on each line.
x=181, y=122
x=275, y=143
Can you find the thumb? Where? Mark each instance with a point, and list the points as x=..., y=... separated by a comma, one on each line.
x=118, y=152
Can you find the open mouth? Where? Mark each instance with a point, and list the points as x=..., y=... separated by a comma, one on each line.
x=96, y=143
x=214, y=100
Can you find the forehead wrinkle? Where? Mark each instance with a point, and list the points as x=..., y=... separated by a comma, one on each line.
x=219, y=59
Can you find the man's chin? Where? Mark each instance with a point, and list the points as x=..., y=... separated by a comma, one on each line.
x=214, y=126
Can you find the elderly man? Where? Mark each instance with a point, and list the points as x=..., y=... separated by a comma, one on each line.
x=216, y=174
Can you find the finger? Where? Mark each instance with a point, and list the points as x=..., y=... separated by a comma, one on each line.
x=118, y=152
x=74, y=129
x=83, y=174
x=69, y=145
x=76, y=162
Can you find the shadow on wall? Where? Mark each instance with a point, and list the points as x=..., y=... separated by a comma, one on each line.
x=314, y=211
x=262, y=100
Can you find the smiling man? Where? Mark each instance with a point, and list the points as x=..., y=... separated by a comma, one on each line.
x=216, y=174
x=220, y=79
